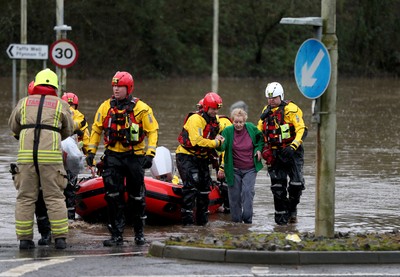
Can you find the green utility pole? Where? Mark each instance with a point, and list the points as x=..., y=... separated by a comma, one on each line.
x=326, y=135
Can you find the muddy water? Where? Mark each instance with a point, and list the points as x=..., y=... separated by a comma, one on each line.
x=368, y=161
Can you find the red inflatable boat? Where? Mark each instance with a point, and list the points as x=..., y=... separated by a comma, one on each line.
x=163, y=199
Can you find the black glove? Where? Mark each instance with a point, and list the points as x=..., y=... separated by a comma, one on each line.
x=79, y=133
x=147, y=162
x=288, y=152
x=90, y=159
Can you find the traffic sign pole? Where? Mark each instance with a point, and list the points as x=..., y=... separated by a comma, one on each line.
x=326, y=129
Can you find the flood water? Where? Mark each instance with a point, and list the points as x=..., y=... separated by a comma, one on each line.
x=367, y=192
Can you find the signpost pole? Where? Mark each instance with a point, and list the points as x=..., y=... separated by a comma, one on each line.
x=326, y=134
x=324, y=114
x=23, y=83
x=61, y=33
x=14, y=82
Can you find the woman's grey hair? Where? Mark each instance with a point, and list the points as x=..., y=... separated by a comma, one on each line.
x=238, y=112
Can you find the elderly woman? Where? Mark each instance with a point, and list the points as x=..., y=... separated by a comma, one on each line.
x=242, y=160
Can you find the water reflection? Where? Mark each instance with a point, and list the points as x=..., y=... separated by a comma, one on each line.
x=367, y=180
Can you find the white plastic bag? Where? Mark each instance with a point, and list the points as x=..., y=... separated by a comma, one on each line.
x=73, y=156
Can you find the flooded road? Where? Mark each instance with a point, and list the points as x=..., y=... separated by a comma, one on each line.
x=368, y=153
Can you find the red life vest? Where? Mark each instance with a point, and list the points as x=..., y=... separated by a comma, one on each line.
x=120, y=124
x=210, y=131
x=277, y=132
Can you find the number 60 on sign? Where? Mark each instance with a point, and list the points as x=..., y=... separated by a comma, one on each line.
x=63, y=53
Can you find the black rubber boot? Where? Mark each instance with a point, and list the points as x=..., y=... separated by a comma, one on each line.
x=138, y=225
x=45, y=239
x=139, y=238
x=71, y=214
x=187, y=217
x=293, y=217
x=114, y=241
x=26, y=244
x=60, y=243
x=281, y=218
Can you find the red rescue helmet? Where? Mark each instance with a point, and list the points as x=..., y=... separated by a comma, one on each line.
x=123, y=78
x=212, y=100
x=30, y=87
x=70, y=98
x=200, y=104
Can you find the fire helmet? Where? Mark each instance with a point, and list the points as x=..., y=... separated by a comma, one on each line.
x=123, y=78
x=46, y=77
x=70, y=98
x=274, y=89
x=212, y=100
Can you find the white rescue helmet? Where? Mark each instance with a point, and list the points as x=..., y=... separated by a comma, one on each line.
x=274, y=89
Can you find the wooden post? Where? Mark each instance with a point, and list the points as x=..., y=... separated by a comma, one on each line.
x=326, y=134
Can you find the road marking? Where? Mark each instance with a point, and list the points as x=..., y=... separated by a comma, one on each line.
x=23, y=269
x=215, y=275
x=264, y=271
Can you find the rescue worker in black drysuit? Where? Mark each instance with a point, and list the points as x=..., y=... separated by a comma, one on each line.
x=199, y=136
x=126, y=121
x=284, y=130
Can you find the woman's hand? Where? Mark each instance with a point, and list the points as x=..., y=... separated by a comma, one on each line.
x=221, y=174
x=259, y=156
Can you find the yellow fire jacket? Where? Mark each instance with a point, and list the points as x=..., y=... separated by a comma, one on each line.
x=143, y=114
x=56, y=125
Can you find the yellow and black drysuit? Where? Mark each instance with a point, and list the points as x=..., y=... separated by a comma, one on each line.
x=197, y=141
x=81, y=128
x=284, y=131
x=125, y=124
x=41, y=121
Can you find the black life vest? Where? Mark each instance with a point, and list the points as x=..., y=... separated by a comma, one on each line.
x=120, y=124
x=210, y=131
x=277, y=132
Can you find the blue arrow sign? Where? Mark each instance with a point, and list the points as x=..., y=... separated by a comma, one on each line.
x=312, y=68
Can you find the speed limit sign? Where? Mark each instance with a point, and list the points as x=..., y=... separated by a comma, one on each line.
x=63, y=53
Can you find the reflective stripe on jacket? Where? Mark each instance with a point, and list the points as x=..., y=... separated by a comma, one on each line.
x=56, y=125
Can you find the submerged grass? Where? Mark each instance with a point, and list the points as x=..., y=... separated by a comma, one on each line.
x=296, y=242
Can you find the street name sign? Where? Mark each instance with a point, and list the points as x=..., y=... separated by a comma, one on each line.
x=28, y=51
x=312, y=68
x=64, y=53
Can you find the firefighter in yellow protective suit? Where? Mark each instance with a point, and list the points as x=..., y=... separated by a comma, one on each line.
x=81, y=129
x=199, y=136
x=40, y=121
x=125, y=121
x=284, y=130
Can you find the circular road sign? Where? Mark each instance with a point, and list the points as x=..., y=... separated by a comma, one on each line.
x=63, y=53
x=312, y=68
